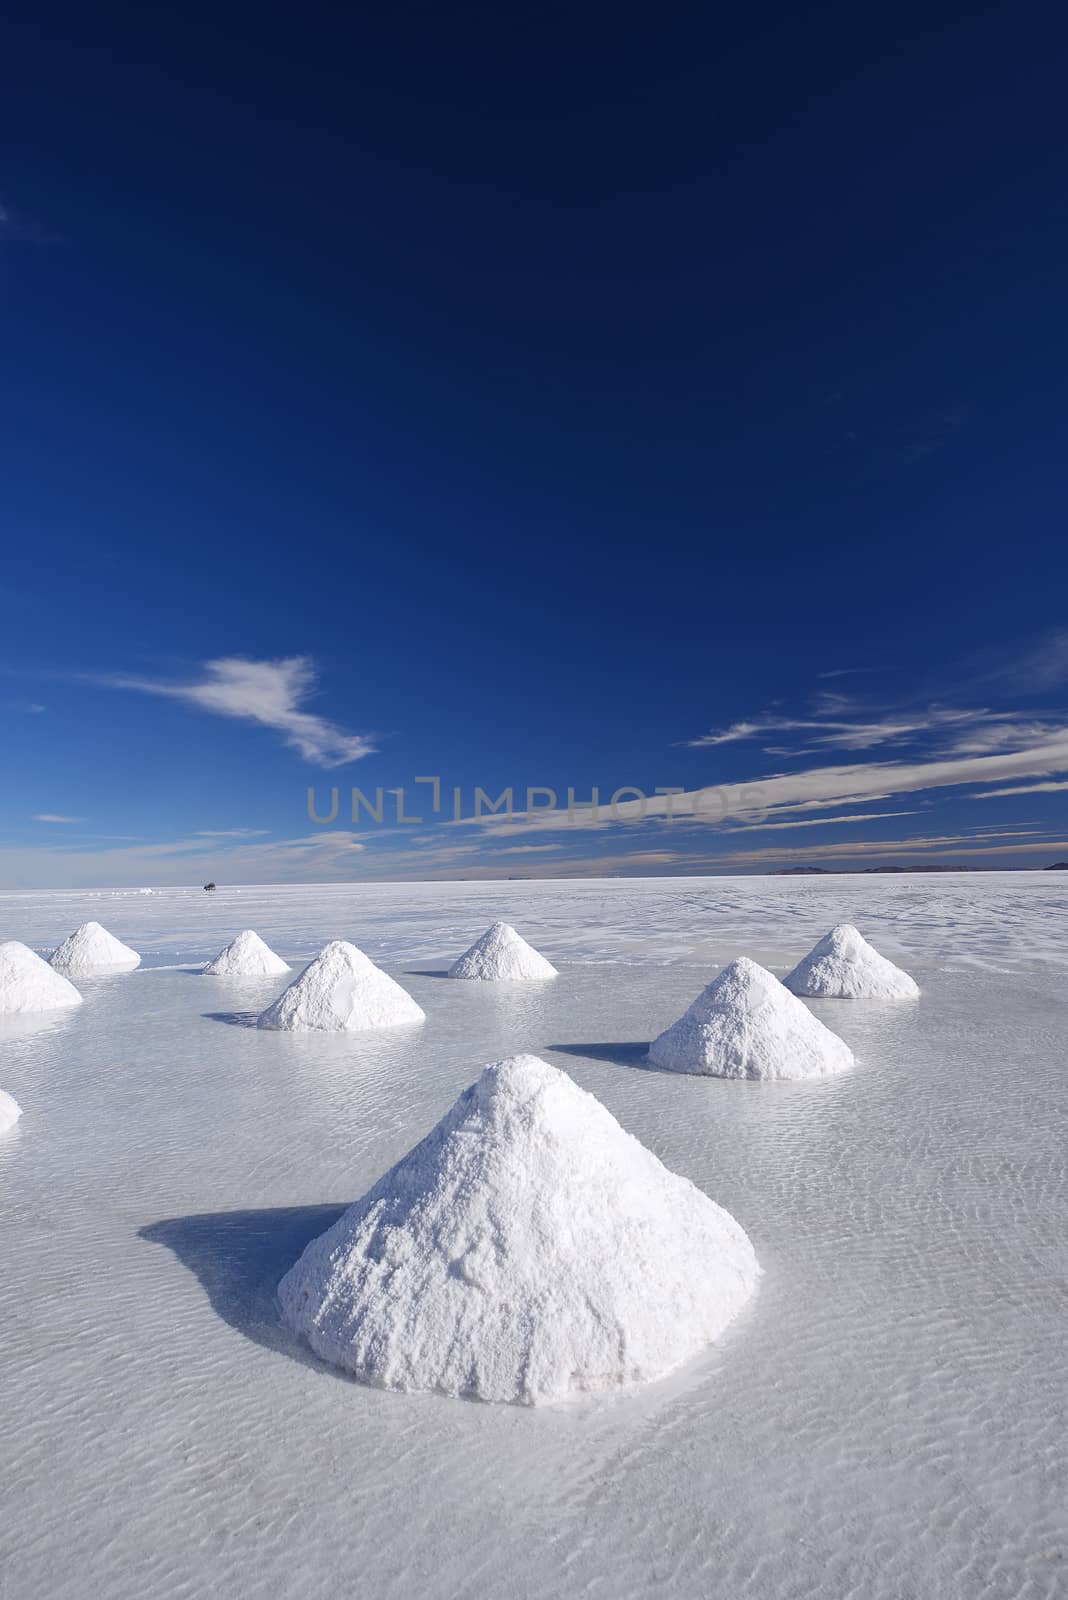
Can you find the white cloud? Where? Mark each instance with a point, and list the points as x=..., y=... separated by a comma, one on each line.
x=819, y=822
x=811, y=788
x=231, y=833
x=747, y=730
x=835, y=732
x=338, y=855
x=898, y=777
x=270, y=693
x=52, y=816
x=952, y=845
x=1023, y=788
x=1007, y=735
x=835, y=800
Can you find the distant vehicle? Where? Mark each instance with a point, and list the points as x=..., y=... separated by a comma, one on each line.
x=209, y=888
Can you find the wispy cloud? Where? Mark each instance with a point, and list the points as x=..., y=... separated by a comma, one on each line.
x=1008, y=734
x=834, y=732
x=1040, y=667
x=271, y=693
x=834, y=800
x=938, y=745
x=53, y=816
x=953, y=848
x=338, y=855
x=924, y=847
x=1023, y=788
x=819, y=822
x=808, y=789
x=231, y=833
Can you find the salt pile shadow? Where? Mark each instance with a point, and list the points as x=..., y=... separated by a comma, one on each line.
x=625, y=1053
x=238, y=1257
x=236, y=1019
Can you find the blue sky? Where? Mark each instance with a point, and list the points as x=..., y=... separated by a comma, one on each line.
x=531, y=398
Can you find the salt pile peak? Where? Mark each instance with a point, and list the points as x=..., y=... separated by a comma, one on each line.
x=92, y=948
x=10, y=1112
x=528, y=1249
x=246, y=956
x=745, y=1024
x=29, y=984
x=342, y=990
x=502, y=954
x=844, y=966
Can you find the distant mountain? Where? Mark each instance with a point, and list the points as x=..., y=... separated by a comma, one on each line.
x=931, y=868
x=823, y=872
x=1058, y=866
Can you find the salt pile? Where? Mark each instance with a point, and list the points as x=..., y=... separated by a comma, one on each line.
x=28, y=984
x=92, y=948
x=342, y=989
x=246, y=956
x=10, y=1112
x=747, y=1025
x=844, y=966
x=526, y=1250
x=502, y=953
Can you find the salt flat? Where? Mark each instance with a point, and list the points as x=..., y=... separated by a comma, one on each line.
x=887, y=1418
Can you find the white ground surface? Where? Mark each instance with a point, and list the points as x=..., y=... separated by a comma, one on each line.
x=887, y=1418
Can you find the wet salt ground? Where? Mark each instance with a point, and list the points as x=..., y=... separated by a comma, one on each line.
x=887, y=1419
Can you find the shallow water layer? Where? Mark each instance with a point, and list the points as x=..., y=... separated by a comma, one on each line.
x=887, y=1419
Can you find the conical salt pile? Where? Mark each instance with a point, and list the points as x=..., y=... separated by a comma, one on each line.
x=342, y=989
x=246, y=956
x=528, y=1249
x=502, y=953
x=92, y=948
x=844, y=966
x=746, y=1025
x=28, y=984
x=10, y=1112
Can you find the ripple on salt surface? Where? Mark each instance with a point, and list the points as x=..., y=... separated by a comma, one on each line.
x=25, y=1025
x=888, y=1420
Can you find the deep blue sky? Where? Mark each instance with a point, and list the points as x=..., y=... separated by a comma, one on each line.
x=564, y=383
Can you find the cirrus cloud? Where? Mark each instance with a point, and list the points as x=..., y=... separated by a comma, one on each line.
x=271, y=693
